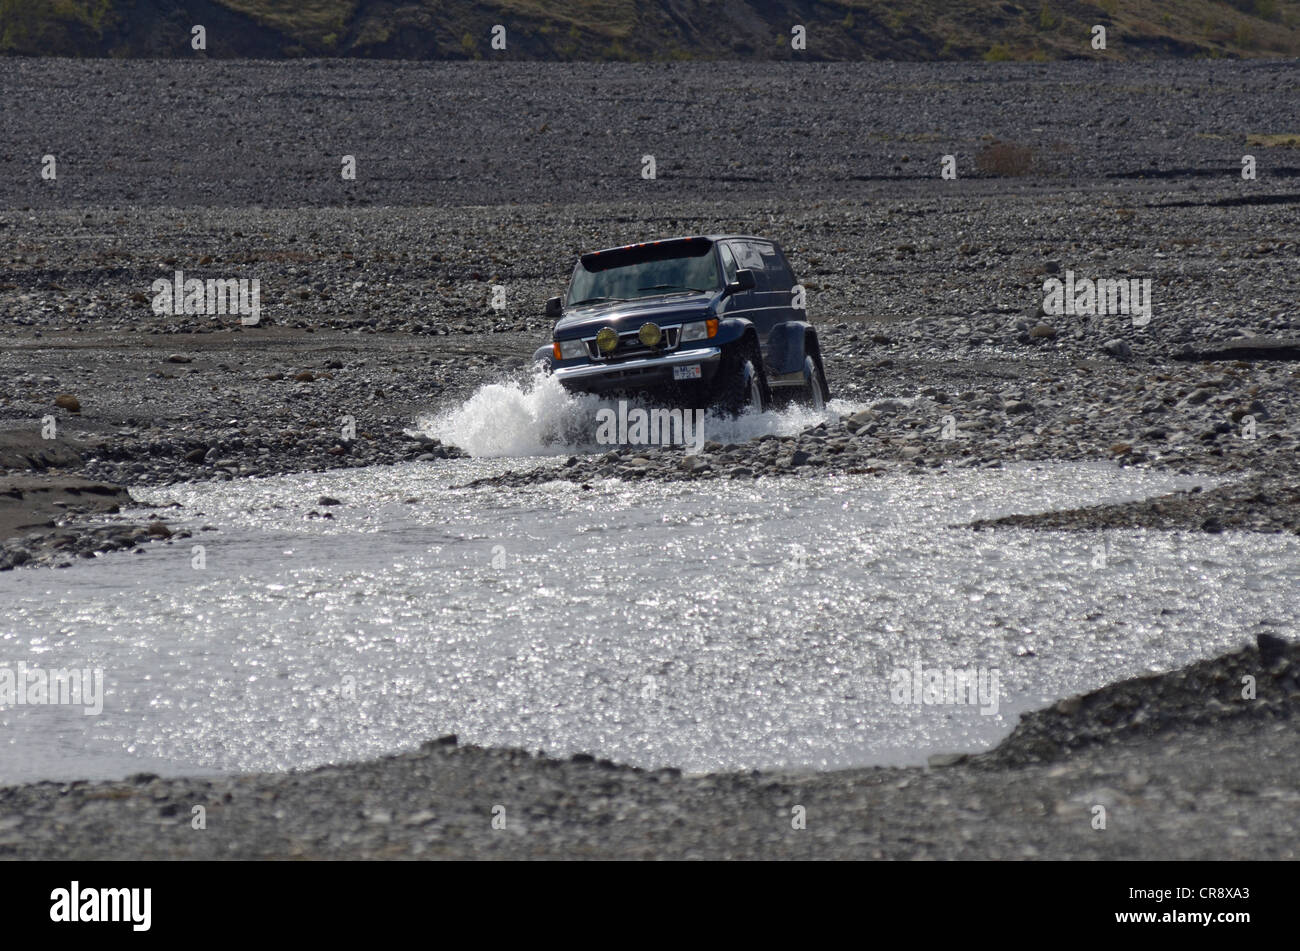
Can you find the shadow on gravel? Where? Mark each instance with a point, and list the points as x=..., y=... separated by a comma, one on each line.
x=1236, y=202
x=1284, y=171
x=1250, y=348
x=1259, y=504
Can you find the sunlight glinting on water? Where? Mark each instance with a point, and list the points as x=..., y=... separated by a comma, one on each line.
x=720, y=625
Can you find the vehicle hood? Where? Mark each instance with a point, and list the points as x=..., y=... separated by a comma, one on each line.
x=628, y=315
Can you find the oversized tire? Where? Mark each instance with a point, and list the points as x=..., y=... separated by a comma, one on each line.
x=740, y=385
x=814, y=385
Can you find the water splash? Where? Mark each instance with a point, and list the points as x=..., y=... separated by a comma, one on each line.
x=517, y=417
x=536, y=416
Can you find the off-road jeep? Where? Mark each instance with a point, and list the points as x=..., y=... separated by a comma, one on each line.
x=716, y=320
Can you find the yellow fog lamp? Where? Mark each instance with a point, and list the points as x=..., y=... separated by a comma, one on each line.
x=607, y=339
x=650, y=334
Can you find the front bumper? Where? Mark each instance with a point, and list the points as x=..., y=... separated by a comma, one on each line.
x=640, y=373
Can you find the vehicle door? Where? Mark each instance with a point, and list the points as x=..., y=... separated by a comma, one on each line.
x=763, y=304
x=736, y=305
x=777, y=284
x=736, y=255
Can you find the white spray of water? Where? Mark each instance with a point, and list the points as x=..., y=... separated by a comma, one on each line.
x=538, y=417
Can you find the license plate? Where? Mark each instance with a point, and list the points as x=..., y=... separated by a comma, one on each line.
x=690, y=372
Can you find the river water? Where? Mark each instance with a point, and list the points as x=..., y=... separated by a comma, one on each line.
x=721, y=625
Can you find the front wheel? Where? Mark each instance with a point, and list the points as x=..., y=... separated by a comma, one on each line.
x=740, y=387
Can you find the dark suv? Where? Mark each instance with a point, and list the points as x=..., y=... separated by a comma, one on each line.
x=716, y=320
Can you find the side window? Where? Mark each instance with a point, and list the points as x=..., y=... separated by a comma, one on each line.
x=728, y=263
x=748, y=256
x=779, y=276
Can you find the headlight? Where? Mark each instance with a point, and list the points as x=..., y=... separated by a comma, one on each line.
x=650, y=334
x=607, y=339
x=568, y=349
x=700, y=329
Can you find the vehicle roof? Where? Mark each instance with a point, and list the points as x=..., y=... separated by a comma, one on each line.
x=689, y=237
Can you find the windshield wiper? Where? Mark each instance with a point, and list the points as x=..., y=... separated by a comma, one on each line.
x=594, y=300
x=674, y=287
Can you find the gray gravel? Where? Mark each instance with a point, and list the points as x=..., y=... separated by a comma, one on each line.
x=176, y=133
x=915, y=339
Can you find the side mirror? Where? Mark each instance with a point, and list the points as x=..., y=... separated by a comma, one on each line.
x=744, y=282
x=553, y=307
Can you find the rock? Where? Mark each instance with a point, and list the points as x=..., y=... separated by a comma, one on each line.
x=69, y=402
x=195, y=456
x=940, y=760
x=328, y=500
x=1018, y=407
x=859, y=420
x=1271, y=648
x=1042, y=332
x=159, y=530
x=1069, y=706
x=1136, y=779
x=889, y=406
x=800, y=458
x=179, y=358
x=1117, y=348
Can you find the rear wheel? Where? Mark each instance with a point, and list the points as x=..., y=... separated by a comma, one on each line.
x=814, y=385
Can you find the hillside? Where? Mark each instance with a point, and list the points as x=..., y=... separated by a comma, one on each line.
x=664, y=30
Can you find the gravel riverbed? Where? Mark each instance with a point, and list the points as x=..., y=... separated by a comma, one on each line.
x=928, y=296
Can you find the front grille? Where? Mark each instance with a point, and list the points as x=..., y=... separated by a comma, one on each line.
x=630, y=345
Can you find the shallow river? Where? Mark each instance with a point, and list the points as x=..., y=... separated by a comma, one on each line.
x=709, y=626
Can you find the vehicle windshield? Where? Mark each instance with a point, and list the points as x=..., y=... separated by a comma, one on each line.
x=688, y=271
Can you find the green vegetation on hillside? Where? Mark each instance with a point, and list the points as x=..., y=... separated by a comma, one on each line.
x=55, y=27
x=992, y=30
